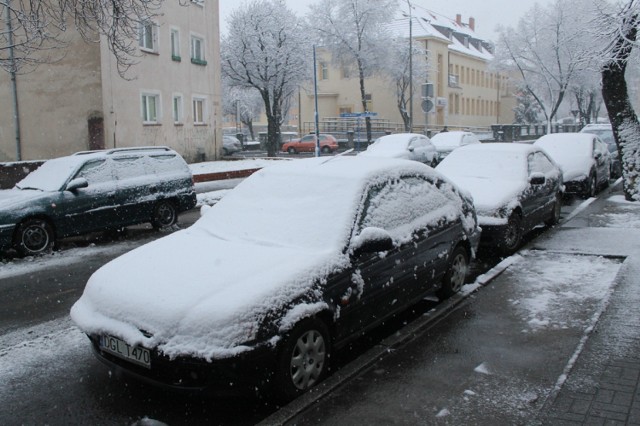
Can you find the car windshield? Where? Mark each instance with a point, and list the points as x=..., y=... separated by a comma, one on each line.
x=484, y=164
x=286, y=209
x=447, y=139
x=51, y=175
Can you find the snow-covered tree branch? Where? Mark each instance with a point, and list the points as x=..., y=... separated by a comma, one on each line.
x=33, y=31
x=267, y=49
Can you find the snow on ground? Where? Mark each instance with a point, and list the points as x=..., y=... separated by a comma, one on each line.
x=551, y=286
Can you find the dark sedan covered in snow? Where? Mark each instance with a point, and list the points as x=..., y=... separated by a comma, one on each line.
x=364, y=239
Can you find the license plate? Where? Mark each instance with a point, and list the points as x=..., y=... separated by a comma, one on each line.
x=121, y=349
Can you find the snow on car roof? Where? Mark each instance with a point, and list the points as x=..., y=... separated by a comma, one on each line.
x=391, y=143
x=564, y=146
x=443, y=139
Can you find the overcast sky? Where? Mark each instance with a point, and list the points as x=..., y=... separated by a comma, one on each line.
x=487, y=13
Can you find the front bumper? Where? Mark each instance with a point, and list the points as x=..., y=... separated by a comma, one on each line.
x=237, y=375
x=577, y=186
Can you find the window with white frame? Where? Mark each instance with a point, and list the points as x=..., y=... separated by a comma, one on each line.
x=178, y=115
x=199, y=113
x=175, y=44
x=150, y=106
x=197, y=50
x=148, y=36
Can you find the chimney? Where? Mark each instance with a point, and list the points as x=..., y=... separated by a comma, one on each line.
x=472, y=23
x=459, y=19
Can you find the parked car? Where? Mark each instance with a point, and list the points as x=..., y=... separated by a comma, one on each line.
x=445, y=142
x=410, y=146
x=230, y=144
x=307, y=143
x=583, y=158
x=605, y=133
x=93, y=191
x=384, y=234
x=514, y=187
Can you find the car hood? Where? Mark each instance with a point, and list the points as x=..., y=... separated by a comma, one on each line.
x=491, y=195
x=12, y=199
x=194, y=294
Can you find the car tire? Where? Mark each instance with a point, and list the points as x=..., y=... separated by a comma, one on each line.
x=325, y=150
x=592, y=186
x=164, y=215
x=512, y=235
x=555, y=212
x=453, y=279
x=34, y=237
x=292, y=150
x=303, y=359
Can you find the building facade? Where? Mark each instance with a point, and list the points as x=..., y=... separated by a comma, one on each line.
x=461, y=89
x=171, y=96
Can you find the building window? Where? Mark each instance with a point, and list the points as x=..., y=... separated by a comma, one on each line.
x=324, y=71
x=175, y=45
x=150, y=103
x=148, y=36
x=199, y=110
x=178, y=115
x=197, y=51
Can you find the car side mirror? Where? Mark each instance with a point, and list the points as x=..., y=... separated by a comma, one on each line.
x=537, y=179
x=371, y=240
x=410, y=149
x=77, y=183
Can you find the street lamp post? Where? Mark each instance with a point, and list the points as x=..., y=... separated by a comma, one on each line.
x=315, y=89
x=410, y=67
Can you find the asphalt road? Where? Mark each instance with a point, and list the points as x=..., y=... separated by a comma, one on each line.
x=50, y=375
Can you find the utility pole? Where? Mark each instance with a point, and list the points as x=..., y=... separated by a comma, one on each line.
x=410, y=67
x=315, y=90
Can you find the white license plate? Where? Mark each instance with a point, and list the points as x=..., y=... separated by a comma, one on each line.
x=120, y=348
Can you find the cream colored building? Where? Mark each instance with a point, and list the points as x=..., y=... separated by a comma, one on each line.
x=465, y=92
x=170, y=97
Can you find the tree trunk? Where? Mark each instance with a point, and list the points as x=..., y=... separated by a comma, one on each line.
x=624, y=121
x=363, y=97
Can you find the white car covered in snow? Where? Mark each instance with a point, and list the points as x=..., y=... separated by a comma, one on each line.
x=337, y=246
x=410, y=146
x=584, y=159
x=514, y=187
x=445, y=142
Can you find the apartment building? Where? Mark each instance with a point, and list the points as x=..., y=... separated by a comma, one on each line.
x=170, y=97
x=463, y=91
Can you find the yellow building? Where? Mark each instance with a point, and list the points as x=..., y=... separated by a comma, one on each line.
x=80, y=102
x=463, y=91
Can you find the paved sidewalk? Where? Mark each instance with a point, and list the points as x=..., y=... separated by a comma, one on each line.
x=603, y=384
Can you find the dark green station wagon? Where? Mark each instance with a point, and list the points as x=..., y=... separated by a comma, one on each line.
x=94, y=191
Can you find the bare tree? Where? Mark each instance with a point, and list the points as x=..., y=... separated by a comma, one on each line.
x=618, y=27
x=33, y=31
x=355, y=31
x=245, y=104
x=546, y=50
x=267, y=49
x=396, y=69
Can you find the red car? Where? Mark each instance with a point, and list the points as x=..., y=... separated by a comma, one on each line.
x=308, y=144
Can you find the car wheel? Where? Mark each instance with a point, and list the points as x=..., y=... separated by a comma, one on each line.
x=456, y=273
x=512, y=236
x=303, y=359
x=292, y=150
x=325, y=150
x=555, y=212
x=33, y=237
x=164, y=215
x=592, y=186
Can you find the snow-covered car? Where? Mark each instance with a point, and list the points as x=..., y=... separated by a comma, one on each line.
x=94, y=191
x=230, y=144
x=445, y=142
x=410, y=146
x=514, y=187
x=605, y=133
x=583, y=158
x=364, y=239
